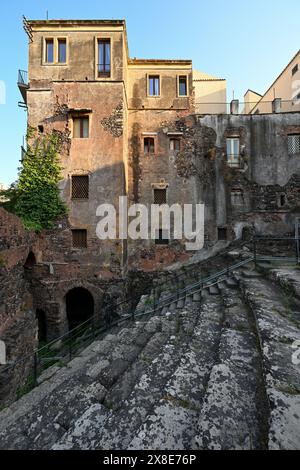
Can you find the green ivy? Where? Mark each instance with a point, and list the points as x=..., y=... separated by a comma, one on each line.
x=35, y=196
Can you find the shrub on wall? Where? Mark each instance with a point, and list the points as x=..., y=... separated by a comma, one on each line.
x=35, y=196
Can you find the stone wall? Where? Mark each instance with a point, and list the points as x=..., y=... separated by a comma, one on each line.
x=18, y=326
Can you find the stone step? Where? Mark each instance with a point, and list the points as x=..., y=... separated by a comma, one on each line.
x=288, y=279
x=42, y=416
x=279, y=337
x=172, y=423
x=231, y=416
x=214, y=290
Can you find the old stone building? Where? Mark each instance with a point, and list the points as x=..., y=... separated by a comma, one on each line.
x=130, y=127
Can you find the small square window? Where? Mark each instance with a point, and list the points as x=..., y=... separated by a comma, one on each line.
x=148, y=145
x=154, y=85
x=80, y=187
x=49, y=51
x=294, y=144
x=160, y=196
x=62, y=51
x=79, y=238
x=222, y=233
x=295, y=69
x=81, y=127
x=182, y=85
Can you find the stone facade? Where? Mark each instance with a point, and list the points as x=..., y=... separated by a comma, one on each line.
x=132, y=143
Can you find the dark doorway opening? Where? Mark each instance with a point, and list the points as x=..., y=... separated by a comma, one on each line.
x=79, y=306
x=30, y=261
x=42, y=326
x=222, y=233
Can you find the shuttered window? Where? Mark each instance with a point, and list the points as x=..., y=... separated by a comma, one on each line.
x=160, y=196
x=80, y=187
x=79, y=238
x=294, y=144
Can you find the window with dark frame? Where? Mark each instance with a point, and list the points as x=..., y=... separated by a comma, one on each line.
x=148, y=145
x=80, y=187
x=154, y=85
x=293, y=144
x=295, y=69
x=81, y=127
x=79, y=238
x=104, y=58
x=182, y=85
x=62, y=51
x=160, y=196
x=49, y=51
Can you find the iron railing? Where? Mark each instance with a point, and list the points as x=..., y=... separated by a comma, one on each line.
x=65, y=347
x=243, y=108
x=23, y=78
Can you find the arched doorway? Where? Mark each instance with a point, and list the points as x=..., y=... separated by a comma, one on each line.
x=30, y=261
x=42, y=326
x=79, y=306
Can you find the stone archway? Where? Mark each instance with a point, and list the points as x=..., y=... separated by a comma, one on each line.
x=30, y=260
x=79, y=306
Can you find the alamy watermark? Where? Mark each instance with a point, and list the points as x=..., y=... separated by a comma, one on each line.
x=137, y=222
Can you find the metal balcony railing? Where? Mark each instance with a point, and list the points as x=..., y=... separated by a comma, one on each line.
x=23, y=78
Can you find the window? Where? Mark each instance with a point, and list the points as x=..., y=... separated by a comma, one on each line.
x=80, y=187
x=62, y=51
x=148, y=145
x=162, y=237
x=237, y=197
x=295, y=69
x=160, y=196
x=233, y=151
x=293, y=144
x=282, y=200
x=79, y=238
x=104, y=58
x=222, y=233
x=174, y=145
x=154, y=85
x=55, y=51
x=81, y=127
x=49, y=51
x=182, y=85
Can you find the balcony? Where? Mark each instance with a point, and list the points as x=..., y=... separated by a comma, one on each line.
x=23, y=84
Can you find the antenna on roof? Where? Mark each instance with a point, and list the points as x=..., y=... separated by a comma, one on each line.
x=47, y=15
x=27, y=28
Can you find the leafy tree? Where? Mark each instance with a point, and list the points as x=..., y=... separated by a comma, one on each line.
x=35, y=196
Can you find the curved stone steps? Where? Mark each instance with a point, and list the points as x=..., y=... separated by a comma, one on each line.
x=172, y=423
x=234, y=413
x=279, y=336
x=44, y=415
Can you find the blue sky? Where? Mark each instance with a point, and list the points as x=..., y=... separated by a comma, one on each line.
x=246, y=41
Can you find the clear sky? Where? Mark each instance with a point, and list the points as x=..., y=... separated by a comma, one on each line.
x=248, y=42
